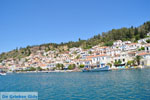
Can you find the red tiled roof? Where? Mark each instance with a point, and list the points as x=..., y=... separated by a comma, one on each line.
x=147, y=44
x=132, y=44
x=131, y=52
x=1, y=67
x=143, y=53
x=96, y=56
x=103, y=47
x=89, y=59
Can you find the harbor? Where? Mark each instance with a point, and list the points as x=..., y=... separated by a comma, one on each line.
x=105, y=85
x=74, y=50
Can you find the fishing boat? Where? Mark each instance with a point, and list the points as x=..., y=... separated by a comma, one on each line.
x=96, y=69
x=3, y=70
x=2, y=73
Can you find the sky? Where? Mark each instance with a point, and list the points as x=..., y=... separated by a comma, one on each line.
x=34, y=22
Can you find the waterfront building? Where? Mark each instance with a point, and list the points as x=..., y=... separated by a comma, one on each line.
x=145, y=61
x=147, y=47
x=98, y=60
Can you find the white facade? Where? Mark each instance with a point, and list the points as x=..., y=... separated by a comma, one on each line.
x=98, y=59
x=117, y=43
x=143, y=40
x=147, y=47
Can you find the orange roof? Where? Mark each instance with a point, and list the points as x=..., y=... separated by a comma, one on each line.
x=42, y=65
x=131, y=52
x=117, y=55
x=148, y=44
x=96, y=56
x=75, y=59
x=103, y=47
x=1, y=66
x=89, y=59
x=132, y=44
x=67, y=52
x=143, y=53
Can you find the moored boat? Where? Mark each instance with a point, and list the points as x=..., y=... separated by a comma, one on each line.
x=97, y=69
x=2, y=73
x=3, y=70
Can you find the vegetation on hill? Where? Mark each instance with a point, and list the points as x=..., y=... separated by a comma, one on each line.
x=106, y=38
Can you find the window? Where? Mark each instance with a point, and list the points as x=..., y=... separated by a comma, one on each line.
x=123, y=60
x=142, y=63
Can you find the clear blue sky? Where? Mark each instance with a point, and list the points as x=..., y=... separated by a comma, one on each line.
x=32, y=22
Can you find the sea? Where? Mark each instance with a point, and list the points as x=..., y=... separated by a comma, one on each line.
x=107, y=85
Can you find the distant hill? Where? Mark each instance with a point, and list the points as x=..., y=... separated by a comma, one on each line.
x=106, y=38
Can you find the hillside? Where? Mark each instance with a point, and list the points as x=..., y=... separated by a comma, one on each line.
x=106, y=38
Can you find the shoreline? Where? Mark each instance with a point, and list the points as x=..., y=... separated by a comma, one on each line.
x=57, y=71
x=66, y=71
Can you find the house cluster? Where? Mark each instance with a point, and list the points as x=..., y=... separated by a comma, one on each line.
x=120, y=52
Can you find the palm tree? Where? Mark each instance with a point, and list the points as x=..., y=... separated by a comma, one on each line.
x=130, y=63
x=134, y=62
x=62, y=66
x=58, y=66
x=137, y=59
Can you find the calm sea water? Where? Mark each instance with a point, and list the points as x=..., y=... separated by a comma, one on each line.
x=115, y=85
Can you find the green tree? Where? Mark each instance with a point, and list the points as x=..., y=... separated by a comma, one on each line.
x=74, y=52
x=110, y=43
x=62, y=66
x=39, y=69
x=142, y=48
x=118, y=62
x=90, y=52
x=79, y=39
x=71, y=66
x=109, y=64
x=58, y=66
x=130, y=63
x=142, y=35
x=138, y=59
x=31, y=69
x=81, y=66
x=148, y=41
x=135, y=31
x=78, y=57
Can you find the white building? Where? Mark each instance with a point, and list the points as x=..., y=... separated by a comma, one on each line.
x=101, y=60
x=117, y=43
x=145, y=61
x=143, y=40
x=131, y=46
x=147, y=47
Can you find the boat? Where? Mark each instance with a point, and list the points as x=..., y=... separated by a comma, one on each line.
x=2, y=73
x=97, y=69
x=3, y=70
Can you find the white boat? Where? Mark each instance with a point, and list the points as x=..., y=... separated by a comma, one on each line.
x=105, y=68
x=2, y=74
